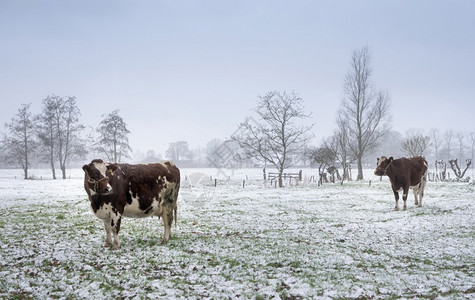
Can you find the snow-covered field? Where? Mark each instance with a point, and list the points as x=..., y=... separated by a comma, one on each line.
x=257, y=242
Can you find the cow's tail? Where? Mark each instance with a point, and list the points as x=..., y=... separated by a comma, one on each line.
x=175, y=212
x=424, y=176
x=175, y=205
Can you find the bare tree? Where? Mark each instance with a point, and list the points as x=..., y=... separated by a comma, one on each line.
x=276, y=137
x=460, y=139
x=443, y=166
x=448, y=137
x=456, y=168
x=59, y=131
x=416, y=144
x=113, y=140
x=389, y=145
x=68, y=130
x=436, y=141
x=471, y=138
x=19, y=143
x=213, y=154
x=179, y=151
x=365, y=110
x=324, y=157
x=47, y=130
x=341, y=137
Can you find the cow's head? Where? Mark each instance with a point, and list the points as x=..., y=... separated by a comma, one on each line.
x=96, y=179
x=383, y=165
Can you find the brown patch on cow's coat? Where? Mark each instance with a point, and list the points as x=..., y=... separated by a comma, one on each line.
x=404, y=173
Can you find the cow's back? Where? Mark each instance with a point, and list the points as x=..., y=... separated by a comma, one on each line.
x=147, y=176
x=418, y=168
x=142, y=188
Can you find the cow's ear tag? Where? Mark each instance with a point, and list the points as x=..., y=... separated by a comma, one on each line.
x=110, y=171
x=391, y=159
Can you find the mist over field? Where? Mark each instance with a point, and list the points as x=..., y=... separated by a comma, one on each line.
x=193, y=71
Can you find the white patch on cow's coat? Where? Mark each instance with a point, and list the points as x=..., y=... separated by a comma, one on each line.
x=165, y=190
x=380, y=160
x=104, y=212
x=133, y=210
x=414, y=187
x=102, y=168
x=92, y=192
x=165, y=166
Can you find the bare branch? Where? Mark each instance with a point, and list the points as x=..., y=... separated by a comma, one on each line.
x=276, y=138
x=364, y=113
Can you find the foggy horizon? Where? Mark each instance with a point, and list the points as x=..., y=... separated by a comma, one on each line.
x=193, y=71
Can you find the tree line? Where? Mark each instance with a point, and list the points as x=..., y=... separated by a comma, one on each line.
x=363, y=129
x=56, y=137
x=277, y=134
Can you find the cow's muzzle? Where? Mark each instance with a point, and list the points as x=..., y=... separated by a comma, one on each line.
x=108, y=189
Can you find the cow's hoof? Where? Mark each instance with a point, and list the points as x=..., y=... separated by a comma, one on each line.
x=115, y=247
x=416, y=203
x=396, y=208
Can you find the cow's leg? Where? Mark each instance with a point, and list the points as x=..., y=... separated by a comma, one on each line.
x=416, y=195
x=115, y=228
x=421, y=194
x=421, y=190
x=404, y=196
x=107, y=226
x=396, y=196
x=167, y=223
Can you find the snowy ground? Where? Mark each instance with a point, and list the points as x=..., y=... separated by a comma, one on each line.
x=257, y=242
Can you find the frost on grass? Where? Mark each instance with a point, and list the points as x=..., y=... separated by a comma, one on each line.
x=254, y=242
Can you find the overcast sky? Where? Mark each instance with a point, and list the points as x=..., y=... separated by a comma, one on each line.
x=193, y=70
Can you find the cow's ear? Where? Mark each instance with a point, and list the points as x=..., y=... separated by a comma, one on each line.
x=111, y=168
x=391, y=159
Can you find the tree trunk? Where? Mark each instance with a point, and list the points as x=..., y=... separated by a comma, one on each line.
x=436, y=171
x=52, y=163
x=51, y=158
x=115, y=150
x=360, y=169
x=54, y=171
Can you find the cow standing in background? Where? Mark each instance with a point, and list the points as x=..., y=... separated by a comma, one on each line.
x=404, y=173
x=135, y=191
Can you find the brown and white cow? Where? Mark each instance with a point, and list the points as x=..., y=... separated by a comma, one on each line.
x=137, y=191
x=404, y=173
